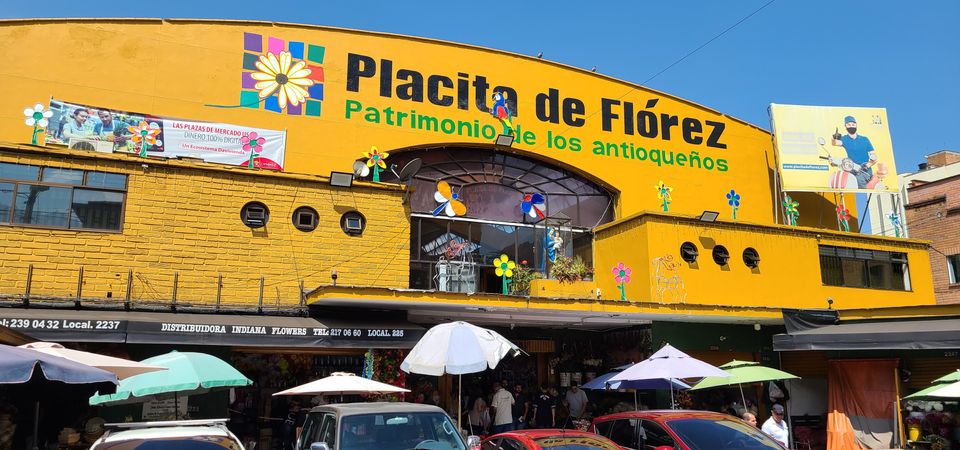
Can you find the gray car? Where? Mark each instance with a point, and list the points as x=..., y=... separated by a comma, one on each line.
x=380, y=426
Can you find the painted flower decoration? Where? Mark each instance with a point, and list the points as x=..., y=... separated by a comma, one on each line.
x=36, y=116
x=733, y=198
x=252, y=142
x=843, y=213
x=144, y=132
x=283, y=76
x=622, y=273
x=375, y=157
x=503, y=266
x=663, y=191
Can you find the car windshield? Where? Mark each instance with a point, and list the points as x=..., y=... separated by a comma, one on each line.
x=185, y=443
x=399, y=431
x=720, y=434
x=574, y=443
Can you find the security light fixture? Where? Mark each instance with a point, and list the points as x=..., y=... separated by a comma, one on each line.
x=708, y=216
x=341, y=179
x=504, y=140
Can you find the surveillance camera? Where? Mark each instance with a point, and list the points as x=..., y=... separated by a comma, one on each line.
x=756, y=326
x=333, y=276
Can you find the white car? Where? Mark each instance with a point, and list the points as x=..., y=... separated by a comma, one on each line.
x=178, y=434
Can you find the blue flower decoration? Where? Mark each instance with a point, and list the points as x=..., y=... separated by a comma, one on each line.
x=733, y=198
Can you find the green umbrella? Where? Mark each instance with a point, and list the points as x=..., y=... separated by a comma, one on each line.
x=187, y=372
x=743, y=372
x=941, y=382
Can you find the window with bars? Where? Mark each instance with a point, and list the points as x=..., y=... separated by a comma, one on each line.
x=52, y=197
x=874, y=269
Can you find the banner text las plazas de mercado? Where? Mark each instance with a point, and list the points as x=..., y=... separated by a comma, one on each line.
x=834, y=149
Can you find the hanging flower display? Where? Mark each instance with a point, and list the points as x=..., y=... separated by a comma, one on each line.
x=254, y=144
x=375, y=160
x=843, y=215
x=663, y=193
x=503, y=267
x=534, y=205
x=896, y=222
x=145, y=135
x=37, y=118
x=449, y=201
x=790, y=210
x=283, y=76
x=368, y=364
x=733, y=199
x=386, y=369
x=621, y=274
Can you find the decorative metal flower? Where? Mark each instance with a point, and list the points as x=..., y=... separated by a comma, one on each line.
x=790, y=208
x=145, y=135
x=621, y=274
x=503, y=267
x=252, y=143
x=896, y=222
x=663, y=193
x=733, y=199
x=375, y=159
x=283, y=76
x=843, y=215
x=37, y=118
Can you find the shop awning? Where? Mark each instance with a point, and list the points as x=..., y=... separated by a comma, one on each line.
x=875, y=335
x=136, y=327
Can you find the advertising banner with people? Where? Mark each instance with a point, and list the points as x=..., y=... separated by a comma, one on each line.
x=102, y=129
x=834, y=149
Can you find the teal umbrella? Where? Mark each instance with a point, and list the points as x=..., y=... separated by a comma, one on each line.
x=939, y=383
x=743, y=372
x=187, y=372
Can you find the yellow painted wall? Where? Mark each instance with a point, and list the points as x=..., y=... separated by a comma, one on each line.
x=175, y=68
x=788, y=275
x=183, y=218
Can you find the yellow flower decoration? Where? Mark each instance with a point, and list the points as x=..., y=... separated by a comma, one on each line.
x=503, y=266
x=282, y=75
x=376, y=157
x=663, y=191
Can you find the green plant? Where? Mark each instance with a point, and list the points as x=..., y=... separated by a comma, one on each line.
x=522, y=276
x=568, y=270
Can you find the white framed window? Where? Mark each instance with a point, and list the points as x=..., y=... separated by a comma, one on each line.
x=953, y=268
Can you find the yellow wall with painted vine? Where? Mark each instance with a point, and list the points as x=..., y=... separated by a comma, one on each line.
x=177, y=68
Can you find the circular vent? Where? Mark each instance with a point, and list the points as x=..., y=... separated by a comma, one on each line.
x=720, y=255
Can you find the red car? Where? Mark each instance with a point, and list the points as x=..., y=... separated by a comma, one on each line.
x=547, y=440
x=681, y=430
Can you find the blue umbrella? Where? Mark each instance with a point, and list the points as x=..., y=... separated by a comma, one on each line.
x=47, y=372
x=603, y=383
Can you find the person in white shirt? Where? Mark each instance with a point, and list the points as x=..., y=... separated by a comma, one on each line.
x=576, y=401
x=776, y=427
x=502, y=406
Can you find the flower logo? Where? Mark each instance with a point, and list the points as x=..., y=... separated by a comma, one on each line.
x=621, y=274
x=37, y=118
x=375, y=160
x=145, y=135
x=503, y=267
x=663, y=193
x=733, y=199
x=252, y=143
x=283, y=76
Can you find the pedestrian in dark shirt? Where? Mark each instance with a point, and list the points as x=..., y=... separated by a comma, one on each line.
x=521, y=407
x=545, y=409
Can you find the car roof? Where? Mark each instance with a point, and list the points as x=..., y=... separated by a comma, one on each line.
x=165, y=433
x=349, y=409
x=542, y=433
x=665, y=415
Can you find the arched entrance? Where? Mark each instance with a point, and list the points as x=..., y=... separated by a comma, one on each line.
x=456, y=253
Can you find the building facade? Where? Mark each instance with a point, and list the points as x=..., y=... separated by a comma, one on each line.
x=934, y=215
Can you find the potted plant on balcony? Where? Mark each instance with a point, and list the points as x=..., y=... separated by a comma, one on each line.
x=569, y=270
x=522, y=276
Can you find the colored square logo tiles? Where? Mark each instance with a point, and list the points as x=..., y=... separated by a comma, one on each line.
x=313, y=108
x=257, y=45
x=315, y=53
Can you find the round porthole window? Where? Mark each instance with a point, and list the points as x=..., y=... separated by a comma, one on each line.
x=689, y=252
x=305, y=218
x=255, y=214
x=751, y=258
x=720, y=255
x=353, y=223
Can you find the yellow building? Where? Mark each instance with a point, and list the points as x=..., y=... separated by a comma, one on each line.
x=188, y=226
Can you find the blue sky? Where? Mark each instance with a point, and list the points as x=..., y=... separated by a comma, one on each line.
x=904, y=56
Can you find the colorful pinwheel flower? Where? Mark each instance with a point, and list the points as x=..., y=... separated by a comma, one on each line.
x=843, y=215
x=375, y=160
x=663, y=193
x=37, y=118
x=790, y=210
x=283, y=76
x=254, y=144
x=621, y=274
x=895, y=221
x=503, y=267
x=145, y=135
x=733, y=199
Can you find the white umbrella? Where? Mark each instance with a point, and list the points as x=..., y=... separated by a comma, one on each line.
x=457, y=348
x=122, y=368
x=949, y=391
x=669, y=363
x=343, y=383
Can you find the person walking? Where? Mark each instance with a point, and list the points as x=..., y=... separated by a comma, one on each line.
x=576, y=401
x=502, y=406
x=545, y=409
x=521, y=407
x=776, y=427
